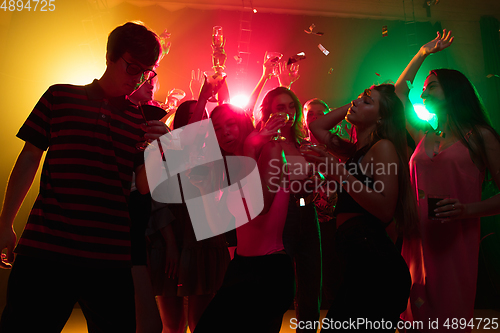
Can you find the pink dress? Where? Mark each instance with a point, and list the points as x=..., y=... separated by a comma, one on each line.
x=443, y=264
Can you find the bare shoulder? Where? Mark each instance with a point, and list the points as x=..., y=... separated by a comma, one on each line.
x=384, y=146
x=383, y=151
x=488, y=135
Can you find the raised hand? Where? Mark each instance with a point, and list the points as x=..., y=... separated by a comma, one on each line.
x=438, y=44
x=288, y=74
x=269, y=66
x=196, y=82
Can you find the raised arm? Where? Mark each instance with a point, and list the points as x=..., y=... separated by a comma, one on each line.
x=321, y=127
x=19, y=183
x=267, y=71
x=415, y=127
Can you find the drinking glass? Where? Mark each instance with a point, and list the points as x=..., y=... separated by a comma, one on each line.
x=432, y=200
x=283, y=115
x=273, y=57
x=218, y=56
x=214, y=78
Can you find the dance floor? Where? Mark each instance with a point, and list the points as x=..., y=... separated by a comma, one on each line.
x=76, y=323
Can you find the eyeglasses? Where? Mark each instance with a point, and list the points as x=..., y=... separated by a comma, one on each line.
x=134, y=69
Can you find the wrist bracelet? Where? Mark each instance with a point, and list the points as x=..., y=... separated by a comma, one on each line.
x=346, y=178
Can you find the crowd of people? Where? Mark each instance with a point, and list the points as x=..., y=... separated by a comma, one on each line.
x=405, y=240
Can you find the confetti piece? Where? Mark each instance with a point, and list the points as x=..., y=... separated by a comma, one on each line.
x=377, y=74
x=310, y=31
x=408, y=83
x=238, y=59
x=295, y=58
x=489, y=76
x=384, y=31
x=322, y=48
x=330, y=71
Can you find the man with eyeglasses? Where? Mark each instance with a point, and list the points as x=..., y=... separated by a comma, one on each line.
x=76, y=244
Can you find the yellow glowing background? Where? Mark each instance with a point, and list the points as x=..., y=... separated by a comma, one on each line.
x=67, y=45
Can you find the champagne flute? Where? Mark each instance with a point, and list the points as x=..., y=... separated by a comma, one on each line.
x=218, y=60
x=214, y=78
x=284, y=116
x=218, y=56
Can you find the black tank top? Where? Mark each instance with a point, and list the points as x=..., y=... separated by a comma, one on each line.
x=345, y=203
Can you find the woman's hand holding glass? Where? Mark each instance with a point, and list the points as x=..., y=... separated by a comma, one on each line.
x=451, y=209
x=326, y=164
x=281, y=118
x=271, y=63
x=211, y=85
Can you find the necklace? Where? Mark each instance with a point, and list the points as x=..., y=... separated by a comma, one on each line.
x=437, y=143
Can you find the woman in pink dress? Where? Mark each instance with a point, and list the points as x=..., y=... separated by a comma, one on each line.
x=447, y=169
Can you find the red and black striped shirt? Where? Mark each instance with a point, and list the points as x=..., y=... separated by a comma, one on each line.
x=81, y=213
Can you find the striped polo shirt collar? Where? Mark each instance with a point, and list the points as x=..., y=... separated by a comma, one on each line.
x=95, y=92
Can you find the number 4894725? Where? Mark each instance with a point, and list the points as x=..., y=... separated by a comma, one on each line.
x=35, y=5
x=474, y=323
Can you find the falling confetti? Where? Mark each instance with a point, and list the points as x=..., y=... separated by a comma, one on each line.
x=238, y=59
x=295, y=58
x=489, y=76
x=310, y=31
x=408, y=83
x=377, y=74
x=330, y=71
x=384, y=31
x=322, y=48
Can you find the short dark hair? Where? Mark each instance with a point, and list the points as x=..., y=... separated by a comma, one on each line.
x=135, y=38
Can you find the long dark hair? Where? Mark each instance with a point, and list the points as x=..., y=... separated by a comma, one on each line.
x=243, y=120
x=392, y=126
x=298, y=131
x=465, y=110
x=181, y=117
